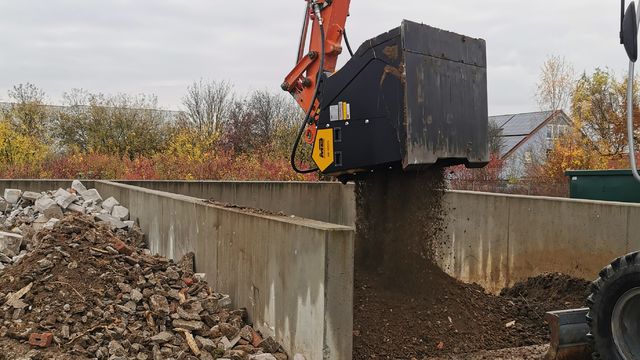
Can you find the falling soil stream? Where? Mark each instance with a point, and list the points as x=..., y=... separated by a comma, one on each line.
x=407, y=308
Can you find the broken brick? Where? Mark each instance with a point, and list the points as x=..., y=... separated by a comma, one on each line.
x=122, y=248
x=40, y=340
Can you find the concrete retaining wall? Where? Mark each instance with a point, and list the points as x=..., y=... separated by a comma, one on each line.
x=496, y=240
x=325, y=201
x=38, y=185
x=491, y=239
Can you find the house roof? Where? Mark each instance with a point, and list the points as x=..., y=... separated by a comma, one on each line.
x=518, y=128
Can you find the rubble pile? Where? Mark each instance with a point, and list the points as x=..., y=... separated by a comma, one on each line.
x=24, y=213
x=84, y=287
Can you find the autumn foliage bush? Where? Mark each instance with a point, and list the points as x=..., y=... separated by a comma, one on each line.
x=96, y=136
x=221, y=166
x=188, y=156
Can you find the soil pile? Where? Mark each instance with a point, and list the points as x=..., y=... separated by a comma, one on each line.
x=95, y=293
x=453, y=317
x=406, y=307
x=551, y=290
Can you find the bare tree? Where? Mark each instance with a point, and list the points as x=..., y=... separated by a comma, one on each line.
x=72, y=130
x=237, y=133
x=114, y=124
x=555, y=84
x=28, y=113
x=207, y=104
x=273, y=114
x=263, y=119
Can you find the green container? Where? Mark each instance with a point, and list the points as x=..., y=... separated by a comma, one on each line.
x=607, y=185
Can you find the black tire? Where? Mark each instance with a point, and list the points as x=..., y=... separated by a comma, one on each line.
x=617, y=282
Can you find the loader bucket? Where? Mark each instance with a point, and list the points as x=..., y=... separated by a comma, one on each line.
x=413, y=97
x=568, y=335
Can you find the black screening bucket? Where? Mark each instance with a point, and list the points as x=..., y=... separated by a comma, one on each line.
x=413, y=97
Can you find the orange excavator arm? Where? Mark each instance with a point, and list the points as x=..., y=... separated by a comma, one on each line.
x=327, y=19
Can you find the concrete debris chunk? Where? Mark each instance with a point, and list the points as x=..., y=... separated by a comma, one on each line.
x=264, y=356
x=45, y=264
x=50, y=224
x=115, y=348
x=269, y=345
x=64, y=198
x=91, y=195
x=159, y=304
x=225, y=301
x=4, y=205
x=14, y=299
x=162, y=337
x=10, y=243
x=136, y=295
x=78, y=186
x=12, y=195
x=188, y=325
x=39, y=223
x=109, y=203
x=31, y=196
x=120, y=213
x=113, y=222
x=188, y=315
x=76, y=208
x=48, y=208
x=205, y=343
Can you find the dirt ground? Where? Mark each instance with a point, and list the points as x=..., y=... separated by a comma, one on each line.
x=452, y=317
x=535, y=352
x=407, y=308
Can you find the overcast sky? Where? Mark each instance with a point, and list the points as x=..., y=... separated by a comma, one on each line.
x=160, y=46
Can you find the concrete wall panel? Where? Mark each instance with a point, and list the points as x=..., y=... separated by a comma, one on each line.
x=294, y=275
x=325, y=201
x=475, y=246
x=633, y=229
x=555, y=235
x=38, y=185
x=497, y=240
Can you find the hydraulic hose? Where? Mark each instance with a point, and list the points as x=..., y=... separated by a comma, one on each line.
x=346, y=41
x=307, y=119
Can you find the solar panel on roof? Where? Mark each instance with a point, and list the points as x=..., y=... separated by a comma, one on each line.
x=524, y=124
x=500, y=120
x=509, y=142
x=516, y=128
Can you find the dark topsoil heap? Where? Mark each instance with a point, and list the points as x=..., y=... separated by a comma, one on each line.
x=406, y=307
x=103, y=296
